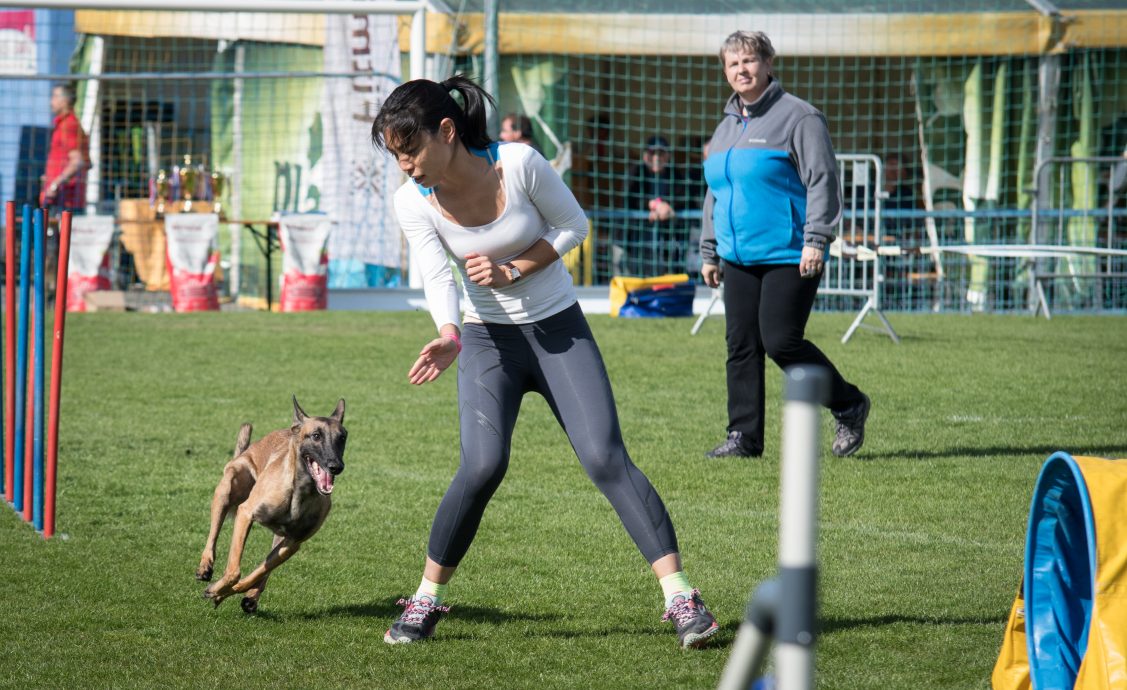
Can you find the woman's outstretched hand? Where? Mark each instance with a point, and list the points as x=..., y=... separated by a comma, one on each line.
x=433, y=360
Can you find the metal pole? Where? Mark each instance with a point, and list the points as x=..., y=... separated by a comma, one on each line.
x=419, y=44
x=805, y=389
x=1048, y=80
x=490, y=56
x=288, y=6
x=785, y=608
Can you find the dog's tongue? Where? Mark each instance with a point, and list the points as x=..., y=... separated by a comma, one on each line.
x=324, y=479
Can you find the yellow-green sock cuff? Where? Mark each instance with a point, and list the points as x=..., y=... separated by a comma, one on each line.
x=674, y=583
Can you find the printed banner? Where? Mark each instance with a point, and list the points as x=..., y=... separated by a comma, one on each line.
x=304, y=261
x=17, y=42
x=192, y=257
x=357, y=182
x=88, y=268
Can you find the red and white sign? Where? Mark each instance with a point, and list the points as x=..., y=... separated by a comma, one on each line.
x=305, y=262
x=18, y=53
x=192, y=257
x=89, y=266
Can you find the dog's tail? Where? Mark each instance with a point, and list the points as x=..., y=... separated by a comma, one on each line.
x=242, y=442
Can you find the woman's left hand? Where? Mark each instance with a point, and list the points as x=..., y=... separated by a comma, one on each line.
x=482, y=271
x=810, y=265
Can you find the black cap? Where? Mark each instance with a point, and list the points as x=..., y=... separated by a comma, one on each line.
x=657, y=143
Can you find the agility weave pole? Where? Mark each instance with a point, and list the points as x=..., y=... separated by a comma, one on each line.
x=30, y=475
x=785, y=607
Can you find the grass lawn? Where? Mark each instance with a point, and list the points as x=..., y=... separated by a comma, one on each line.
x=920, y=545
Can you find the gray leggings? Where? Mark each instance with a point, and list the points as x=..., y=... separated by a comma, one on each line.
x=558, y=358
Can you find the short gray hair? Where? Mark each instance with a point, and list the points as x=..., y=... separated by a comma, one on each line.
x=755, y=42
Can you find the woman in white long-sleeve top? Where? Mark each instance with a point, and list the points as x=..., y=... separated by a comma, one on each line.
x=505, y=218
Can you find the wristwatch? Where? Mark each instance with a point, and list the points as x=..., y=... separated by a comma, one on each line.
x=514, y=273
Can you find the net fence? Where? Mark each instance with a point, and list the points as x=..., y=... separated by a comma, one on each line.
x=998, y=125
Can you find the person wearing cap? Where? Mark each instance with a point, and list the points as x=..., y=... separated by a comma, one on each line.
x=658, y=188
x=655, y=184
x=774, y=201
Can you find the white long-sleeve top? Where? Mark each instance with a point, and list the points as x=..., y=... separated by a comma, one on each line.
x=538, y=205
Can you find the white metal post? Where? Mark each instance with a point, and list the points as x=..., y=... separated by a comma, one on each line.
x=785, y=607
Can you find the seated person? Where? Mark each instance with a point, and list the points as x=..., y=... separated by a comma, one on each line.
x=658, y=188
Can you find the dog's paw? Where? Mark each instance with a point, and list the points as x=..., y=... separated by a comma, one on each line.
x=203, y=573
x=249, y=605
x=214, y=595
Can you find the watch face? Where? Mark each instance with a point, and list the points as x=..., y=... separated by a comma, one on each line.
x=514, y=273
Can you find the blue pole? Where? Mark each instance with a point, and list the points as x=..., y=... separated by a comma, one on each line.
x=21, y=359
x=37, y=383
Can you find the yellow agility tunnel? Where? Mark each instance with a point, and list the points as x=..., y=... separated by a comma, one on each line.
x=1068, y=626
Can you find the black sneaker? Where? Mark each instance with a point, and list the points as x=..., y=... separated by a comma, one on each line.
x=420, y=616
x=735, y=446
x=849, y=430
x=692, y=620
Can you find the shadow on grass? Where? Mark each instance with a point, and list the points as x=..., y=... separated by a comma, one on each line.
x=388, y=610
x=830, y=625
x=989, y=452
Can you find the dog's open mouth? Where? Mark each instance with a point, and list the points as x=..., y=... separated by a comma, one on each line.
x=321, y=477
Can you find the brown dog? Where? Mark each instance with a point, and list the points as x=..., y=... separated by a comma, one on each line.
x=282, y=482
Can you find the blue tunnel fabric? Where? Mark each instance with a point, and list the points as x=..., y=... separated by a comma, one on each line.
x=1060, y=573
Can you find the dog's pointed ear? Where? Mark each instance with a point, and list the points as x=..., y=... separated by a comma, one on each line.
x=338, y=413
x=298, y=413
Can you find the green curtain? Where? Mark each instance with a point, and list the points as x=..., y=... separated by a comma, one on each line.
x=280, y=124
x=984, y=117
x=1084, y=186
x=532, y=86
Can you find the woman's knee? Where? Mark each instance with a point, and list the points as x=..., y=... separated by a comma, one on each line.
x=604, y=463
x=783, y=346
x=481, y=477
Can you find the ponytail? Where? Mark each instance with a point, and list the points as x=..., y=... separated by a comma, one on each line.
x=475, y=103
x=422, y=105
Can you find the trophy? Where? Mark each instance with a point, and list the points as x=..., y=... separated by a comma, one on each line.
x=189, y=177
x=161, y=189
x=218, y=186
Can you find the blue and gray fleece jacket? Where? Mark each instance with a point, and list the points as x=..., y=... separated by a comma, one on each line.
x=772, y=182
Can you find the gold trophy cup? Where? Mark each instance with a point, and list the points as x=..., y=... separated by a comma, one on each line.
x=189, y=176
x=218, y=186
x=163, y=188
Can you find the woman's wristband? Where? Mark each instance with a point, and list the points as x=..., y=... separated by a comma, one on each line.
x=457, y=340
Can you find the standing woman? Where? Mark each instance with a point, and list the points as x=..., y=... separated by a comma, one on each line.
x=773, y=202
x=505, y=218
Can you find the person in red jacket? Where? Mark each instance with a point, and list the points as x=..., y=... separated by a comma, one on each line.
x=64, y=181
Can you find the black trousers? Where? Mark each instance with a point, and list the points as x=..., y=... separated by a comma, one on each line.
x=766, y=308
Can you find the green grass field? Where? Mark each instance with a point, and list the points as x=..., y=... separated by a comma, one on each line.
x=921, y=534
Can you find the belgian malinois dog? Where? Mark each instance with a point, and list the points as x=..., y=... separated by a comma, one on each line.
x=282, y=482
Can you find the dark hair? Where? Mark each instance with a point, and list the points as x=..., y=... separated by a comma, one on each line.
x=68, y=92
x=421, y=105
x=521, y=123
